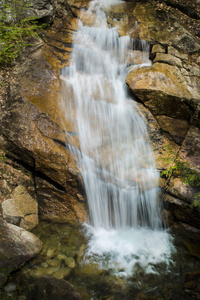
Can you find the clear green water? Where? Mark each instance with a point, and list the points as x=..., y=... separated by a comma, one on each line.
x=62, y=257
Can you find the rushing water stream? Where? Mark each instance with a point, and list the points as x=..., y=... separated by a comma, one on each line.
x=115, y=156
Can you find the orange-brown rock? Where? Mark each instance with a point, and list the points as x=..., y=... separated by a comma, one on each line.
x=174, y=128
x=169, y=88
x=162, y=26
x=164, y=90
x=34, y=126
x=158, y=141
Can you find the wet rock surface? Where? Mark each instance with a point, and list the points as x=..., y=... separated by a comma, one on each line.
x=192, y=281
x=48, y=287
x=170, y=89
x=38, y=141
x=62, y=258
x=51, y=162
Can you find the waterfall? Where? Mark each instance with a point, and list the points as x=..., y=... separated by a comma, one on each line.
x=115, y=156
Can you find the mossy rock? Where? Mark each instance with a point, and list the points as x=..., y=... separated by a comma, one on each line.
x=69, y=261
x=54, y=262
x=62, y=273
x=91, y=269
x=39, y=271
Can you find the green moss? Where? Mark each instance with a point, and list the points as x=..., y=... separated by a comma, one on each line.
x=15, y=33
x=179, y=168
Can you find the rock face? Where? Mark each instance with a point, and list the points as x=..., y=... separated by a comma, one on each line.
x=164, y=91
x=21, y=209
x=17, y=246
x=170, y=89
x=43, y=9
x=189, y=7
x=39, y=141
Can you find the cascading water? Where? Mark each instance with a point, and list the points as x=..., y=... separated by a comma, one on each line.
x=116, y=160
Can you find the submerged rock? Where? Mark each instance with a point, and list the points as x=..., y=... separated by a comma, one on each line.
x=41, y=271
x=17, y=246
x=91, y=269
x=49, y=287
x=193, y=247
x=62, y=273
x=43, y=136
x=192, y=281
x=69, y=261
x=54, y=262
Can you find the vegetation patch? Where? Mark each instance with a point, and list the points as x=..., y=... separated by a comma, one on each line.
x=16, y=28
x=180, y=168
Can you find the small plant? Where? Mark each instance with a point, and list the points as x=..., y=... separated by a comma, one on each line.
x=176, y=165
x=179, y=168
x=15, y=29
x=2, y=157
x=196, y=203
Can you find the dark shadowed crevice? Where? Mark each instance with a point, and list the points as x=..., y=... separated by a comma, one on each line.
x=188, y=10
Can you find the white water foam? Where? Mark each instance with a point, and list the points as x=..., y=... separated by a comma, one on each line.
x=124, y=251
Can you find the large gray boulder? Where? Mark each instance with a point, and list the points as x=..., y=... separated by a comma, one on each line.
x=17, y=246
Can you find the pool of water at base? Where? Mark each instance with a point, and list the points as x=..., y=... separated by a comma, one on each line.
x=62, y=256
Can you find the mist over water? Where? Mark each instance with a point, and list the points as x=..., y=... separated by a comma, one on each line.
x=115, y=156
